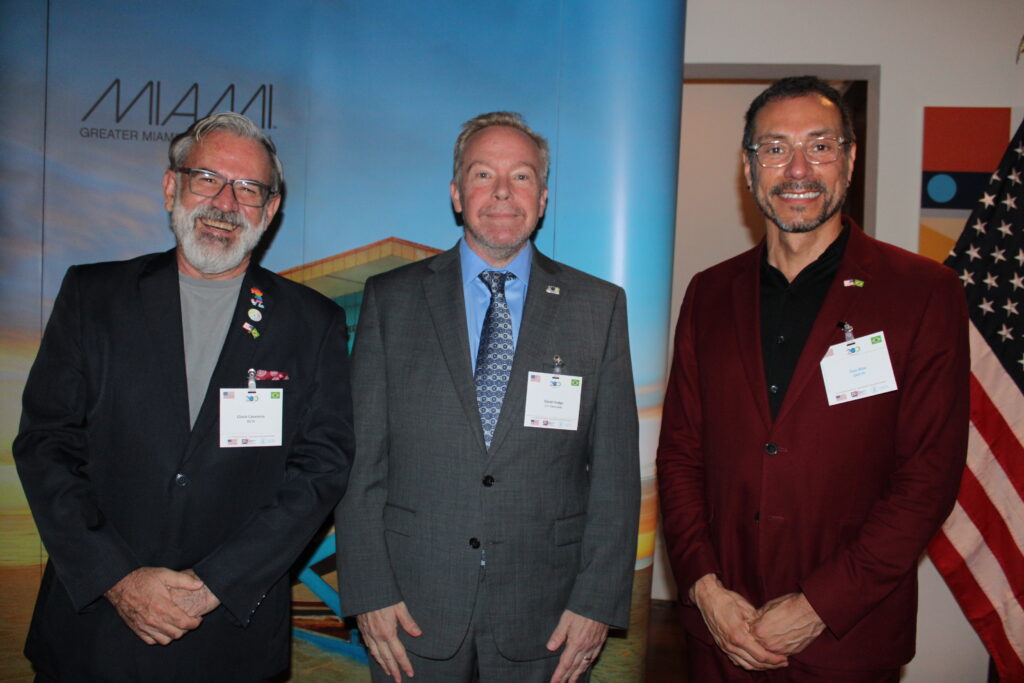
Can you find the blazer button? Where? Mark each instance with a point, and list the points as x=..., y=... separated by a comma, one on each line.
x=474, y=543
x=771, y=448
x=181, y=479
x=488, y=480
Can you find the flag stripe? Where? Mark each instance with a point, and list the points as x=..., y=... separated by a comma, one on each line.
x=976, y=605
x=1000, y=388
x=997, y=537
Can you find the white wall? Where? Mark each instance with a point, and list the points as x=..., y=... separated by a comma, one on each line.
x=930, y=53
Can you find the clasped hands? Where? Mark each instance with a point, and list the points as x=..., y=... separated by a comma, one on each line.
x=161, y=605
x=756, y=639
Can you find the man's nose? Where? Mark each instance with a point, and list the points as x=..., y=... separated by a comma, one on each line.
x=501, y=188
x=225, y=199
x=798, y=166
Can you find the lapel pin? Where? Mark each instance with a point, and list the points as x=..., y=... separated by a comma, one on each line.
x=853, y=283
x=553, y=290
x=251, y=330
x=255, y=315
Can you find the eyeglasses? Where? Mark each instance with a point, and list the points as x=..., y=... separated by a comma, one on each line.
x=209, y=184
x=778, y=153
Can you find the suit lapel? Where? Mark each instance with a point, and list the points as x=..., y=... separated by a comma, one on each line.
x=442, y=289
x=839, y=305
x=161, y=311
x=237, y=353
x=746, y=311
x=540, y=312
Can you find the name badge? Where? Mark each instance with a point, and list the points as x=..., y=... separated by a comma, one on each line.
x=251, y=417
x=857, y=369
x=552, y=401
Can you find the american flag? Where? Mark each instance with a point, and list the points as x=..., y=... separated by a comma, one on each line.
x=980, y=549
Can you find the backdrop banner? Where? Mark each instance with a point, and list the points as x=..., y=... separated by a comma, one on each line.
x=364, y=101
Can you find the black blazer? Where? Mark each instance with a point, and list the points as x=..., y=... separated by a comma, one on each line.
x=116, y=479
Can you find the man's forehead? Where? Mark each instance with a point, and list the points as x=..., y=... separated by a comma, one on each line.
x=224, y=148
x=483, y=145
x=798, y=117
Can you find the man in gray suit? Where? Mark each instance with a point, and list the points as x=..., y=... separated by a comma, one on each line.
x=489, y=531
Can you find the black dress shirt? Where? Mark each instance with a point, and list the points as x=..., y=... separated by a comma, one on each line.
x=788, y=311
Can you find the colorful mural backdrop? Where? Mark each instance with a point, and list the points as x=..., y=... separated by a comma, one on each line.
x=961, y=147
x=364, y=101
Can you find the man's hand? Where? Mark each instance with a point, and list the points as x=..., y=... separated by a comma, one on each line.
x=728, y=616
x=380, y=632
x=197, y=602
x=787, y=624
x=583, y=640
x=143, y=601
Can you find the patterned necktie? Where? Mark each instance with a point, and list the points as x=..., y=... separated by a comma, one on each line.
x=494, y=357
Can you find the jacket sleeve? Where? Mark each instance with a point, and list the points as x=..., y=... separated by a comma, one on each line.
x=603, y=585
x=365, y=579
x=242, y=569
x=53, y=459
x=930, y=449
x=680, y=461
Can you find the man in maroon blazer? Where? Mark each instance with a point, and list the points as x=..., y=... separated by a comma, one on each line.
x=815, y=421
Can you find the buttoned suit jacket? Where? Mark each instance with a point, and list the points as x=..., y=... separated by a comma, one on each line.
x=838, y=501
x=116, y=479
x=555, y=511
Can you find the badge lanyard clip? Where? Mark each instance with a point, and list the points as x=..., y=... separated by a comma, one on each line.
x=252, y=378
x=847, y=329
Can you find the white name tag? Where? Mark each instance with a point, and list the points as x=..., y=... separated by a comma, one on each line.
x=857, y=369
x=251, y=417
x=552, y=401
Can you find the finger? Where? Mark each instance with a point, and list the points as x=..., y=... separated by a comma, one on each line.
x=559, y=635
x=406, y=620
x=401, y=658
x=174, y=579
x=566, y=663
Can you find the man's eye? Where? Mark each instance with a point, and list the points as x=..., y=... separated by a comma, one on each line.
x=246, y=189
x=775, y=149
x=522, y=176
x=207, y=179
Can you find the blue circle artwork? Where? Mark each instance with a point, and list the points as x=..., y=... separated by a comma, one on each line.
x=941, y=188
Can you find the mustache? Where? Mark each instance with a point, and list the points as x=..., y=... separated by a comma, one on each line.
x=793, y=186
x=213, y=213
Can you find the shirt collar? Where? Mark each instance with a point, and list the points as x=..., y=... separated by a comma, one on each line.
x=473, y=265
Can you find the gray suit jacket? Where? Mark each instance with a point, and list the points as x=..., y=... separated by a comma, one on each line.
x=556, y=511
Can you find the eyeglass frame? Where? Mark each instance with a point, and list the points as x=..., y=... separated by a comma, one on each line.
x=189, y=171
x=802, y=144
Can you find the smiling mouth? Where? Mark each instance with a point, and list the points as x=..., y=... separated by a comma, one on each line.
x=800, y=195
x=221, y=226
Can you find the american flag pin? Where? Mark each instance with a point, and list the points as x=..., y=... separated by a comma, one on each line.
x=853, y=283
x=553, y=290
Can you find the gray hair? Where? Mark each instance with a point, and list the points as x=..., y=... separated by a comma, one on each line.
x=235, y=124
x=509, y=119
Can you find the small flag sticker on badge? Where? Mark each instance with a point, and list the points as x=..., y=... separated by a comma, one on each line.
x=877, y=339
x=575, y=382
x=275, y=394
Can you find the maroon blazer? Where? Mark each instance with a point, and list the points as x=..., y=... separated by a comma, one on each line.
x=838, y=501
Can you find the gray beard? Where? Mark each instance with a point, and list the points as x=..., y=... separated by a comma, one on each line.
x=808, y=224
x=210, y=254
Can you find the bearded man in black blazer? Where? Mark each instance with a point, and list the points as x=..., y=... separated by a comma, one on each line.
x=186, y=428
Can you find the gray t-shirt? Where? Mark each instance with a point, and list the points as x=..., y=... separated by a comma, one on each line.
x=206, y=309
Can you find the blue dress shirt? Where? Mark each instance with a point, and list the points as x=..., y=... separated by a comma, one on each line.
x=478, y=297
